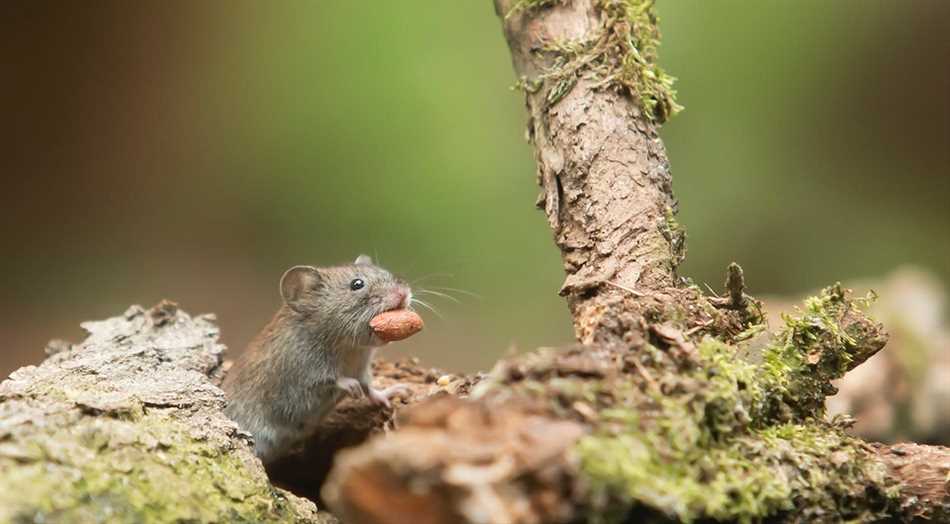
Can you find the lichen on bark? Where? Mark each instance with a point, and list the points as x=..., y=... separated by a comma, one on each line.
x=126, y=426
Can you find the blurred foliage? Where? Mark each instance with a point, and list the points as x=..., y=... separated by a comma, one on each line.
x=195, y=150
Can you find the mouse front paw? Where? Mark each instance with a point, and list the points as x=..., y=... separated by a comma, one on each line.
x=350, y=386
x=382, y=396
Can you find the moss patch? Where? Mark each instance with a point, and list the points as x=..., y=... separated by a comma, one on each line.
x=690, y=430
x=111, y=470
x=764, y=473
x=622, y=53
x=675, y=234
x=829, y=337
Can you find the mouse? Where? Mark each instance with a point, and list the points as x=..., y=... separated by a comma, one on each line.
x=317, y=349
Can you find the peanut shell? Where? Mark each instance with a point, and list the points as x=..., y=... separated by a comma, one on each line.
x=396, y=324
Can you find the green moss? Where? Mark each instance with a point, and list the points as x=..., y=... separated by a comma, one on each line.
x=705, y=429
x=637, y=28
x=733, y=394
x=829, y=337
x=700, y=454
x=109, y=470
x=764, y=473
x=669, y=473
x=675, y=234
x=718, y=437
x=622, y=53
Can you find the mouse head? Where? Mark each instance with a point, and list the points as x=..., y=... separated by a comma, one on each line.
x=340, y=301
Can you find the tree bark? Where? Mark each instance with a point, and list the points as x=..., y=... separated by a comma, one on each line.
x=127, y=426
x=605, y=181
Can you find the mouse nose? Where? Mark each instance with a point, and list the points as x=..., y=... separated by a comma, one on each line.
x=401, y=297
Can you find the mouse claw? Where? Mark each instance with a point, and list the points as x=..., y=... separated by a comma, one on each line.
x=401, y=390
x=379, y=398
x=382, y=396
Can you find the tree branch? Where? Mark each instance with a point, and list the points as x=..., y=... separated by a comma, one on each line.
x=675, y=405
x=606, y=185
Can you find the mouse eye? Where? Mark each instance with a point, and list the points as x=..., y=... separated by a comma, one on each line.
x=357, y=283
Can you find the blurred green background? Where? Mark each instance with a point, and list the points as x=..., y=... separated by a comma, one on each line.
x=194, y=150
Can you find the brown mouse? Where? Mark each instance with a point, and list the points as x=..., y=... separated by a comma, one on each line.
x=317, y=348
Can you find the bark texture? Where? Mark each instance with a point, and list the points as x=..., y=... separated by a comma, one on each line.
x=127, y=426
x=605, y=180
x=925, y=475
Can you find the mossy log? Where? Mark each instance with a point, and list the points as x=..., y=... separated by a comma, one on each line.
x=127, y=426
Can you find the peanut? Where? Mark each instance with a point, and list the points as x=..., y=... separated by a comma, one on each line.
x=396, y=324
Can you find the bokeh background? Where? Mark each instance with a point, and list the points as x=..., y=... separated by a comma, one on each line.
x=194, y=150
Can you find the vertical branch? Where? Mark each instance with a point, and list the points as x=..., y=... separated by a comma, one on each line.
x=605, y=179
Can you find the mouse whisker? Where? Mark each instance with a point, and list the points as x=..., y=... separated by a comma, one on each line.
x=440, y=294
x=456, y=290
x=427, y=306
x=431, y=276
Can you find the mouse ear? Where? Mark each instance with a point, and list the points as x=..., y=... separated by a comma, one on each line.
x=363, y=260
x=297, y=284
